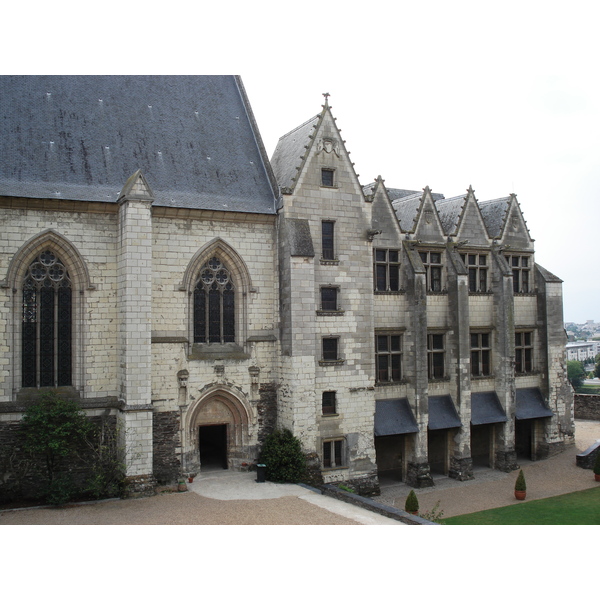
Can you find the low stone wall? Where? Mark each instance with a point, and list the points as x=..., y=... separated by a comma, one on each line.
x=368, y=504
x=587, y=407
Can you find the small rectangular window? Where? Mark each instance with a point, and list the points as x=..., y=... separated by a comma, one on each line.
x=388, y=357
x=329, y=298
x=327, y=177
x=480, y=354
x=327, y=240
x=520, y=273
x=328, y=403
x=523, y=352
x=477, y=272
x=330, y=348
x=387, y=270
x=435, y=356
x=432, y=262
x=333, y=454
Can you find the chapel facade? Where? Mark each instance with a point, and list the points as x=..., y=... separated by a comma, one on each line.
x=160, y=269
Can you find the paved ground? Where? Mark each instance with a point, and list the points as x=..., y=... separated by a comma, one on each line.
x=224, y=498
x=492, y=489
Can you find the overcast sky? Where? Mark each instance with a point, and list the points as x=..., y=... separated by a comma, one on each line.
x=445, y=94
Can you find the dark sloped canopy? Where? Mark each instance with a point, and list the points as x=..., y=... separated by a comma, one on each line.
x=531, y=405
x=442, y=413
x=393, y=417
x=486, y=408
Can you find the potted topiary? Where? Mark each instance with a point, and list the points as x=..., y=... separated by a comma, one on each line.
x=597, y=467
x=412, y=504
x=520, y=486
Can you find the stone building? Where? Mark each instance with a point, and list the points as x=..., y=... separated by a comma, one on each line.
x=158, y=267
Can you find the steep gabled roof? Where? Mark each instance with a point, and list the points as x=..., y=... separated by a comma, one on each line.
x=494, y=213
x=291, y=147
x=81, y=137
x=407, y=210
x=450, y=211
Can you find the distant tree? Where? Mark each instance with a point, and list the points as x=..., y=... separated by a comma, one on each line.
x=575, y=373
x=597, y=369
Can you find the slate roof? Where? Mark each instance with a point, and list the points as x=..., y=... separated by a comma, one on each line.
x=450, y=211
x=494, y=214
x=289, y=150
x=81, y=137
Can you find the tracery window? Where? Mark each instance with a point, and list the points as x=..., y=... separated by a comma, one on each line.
x=214, y=304
x=46, y=335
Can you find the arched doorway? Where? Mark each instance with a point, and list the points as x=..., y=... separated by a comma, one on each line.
x=217, y=432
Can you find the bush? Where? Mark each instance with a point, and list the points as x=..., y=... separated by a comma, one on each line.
x=597, y=464
x=412, y=503
x=282, y=454
x=54, y=429
x=520, y=485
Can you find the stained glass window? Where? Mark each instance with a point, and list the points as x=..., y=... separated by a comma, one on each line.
x=47, y=323
x=214, y=304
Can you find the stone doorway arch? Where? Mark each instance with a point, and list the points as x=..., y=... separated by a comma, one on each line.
x=217, y=432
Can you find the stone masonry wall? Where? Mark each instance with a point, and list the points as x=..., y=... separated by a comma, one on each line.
x=587, y=407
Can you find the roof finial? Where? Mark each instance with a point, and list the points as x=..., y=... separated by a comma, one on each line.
x=326, y=95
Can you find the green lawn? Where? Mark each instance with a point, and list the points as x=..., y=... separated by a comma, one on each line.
x=577, y=508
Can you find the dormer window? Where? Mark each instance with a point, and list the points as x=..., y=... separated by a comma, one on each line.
x=327, y=179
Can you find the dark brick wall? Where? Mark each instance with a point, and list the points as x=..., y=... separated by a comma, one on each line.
x=166, y=439
x=587, y=407
x=24, y=477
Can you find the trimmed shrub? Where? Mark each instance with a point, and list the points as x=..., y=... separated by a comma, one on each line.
x=412, y=503
x=520, y=485
x=282, y=454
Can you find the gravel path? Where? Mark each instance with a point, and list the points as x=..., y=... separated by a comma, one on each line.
x=492, y=489
x=224, y=498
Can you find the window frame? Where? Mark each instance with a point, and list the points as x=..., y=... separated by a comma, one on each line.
x=328, y=359
x=390, y=269
x=391, y=356
x=330, y=171
x=336, y=291
x=481, y=351
x=522, y=350
x=333, y=453
x=47, y=320
x=433, y=353
x=476, y=271
x=204, y=300
x=432, y=269
x=521, y=273
x=329, y=408
x=328, y=246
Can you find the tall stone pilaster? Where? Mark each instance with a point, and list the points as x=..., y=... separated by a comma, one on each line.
x=461, y=463
x=134, y=297
x=504, y=321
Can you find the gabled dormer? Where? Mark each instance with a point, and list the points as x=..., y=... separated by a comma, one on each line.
x=314, y=157
x=383, y=220
x=463, y=221
x=505, y=223
x=429, y=228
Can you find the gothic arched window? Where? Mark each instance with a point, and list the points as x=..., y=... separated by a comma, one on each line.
x=214, y=304
x=47, y=323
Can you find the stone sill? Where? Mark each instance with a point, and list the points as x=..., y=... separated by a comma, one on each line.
x=392, y=383
x=330, y=313
x=330, y=261
x=389, y=292
x=331, y=363
x=218, y=352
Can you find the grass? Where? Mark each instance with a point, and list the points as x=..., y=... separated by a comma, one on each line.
x=576, y=508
